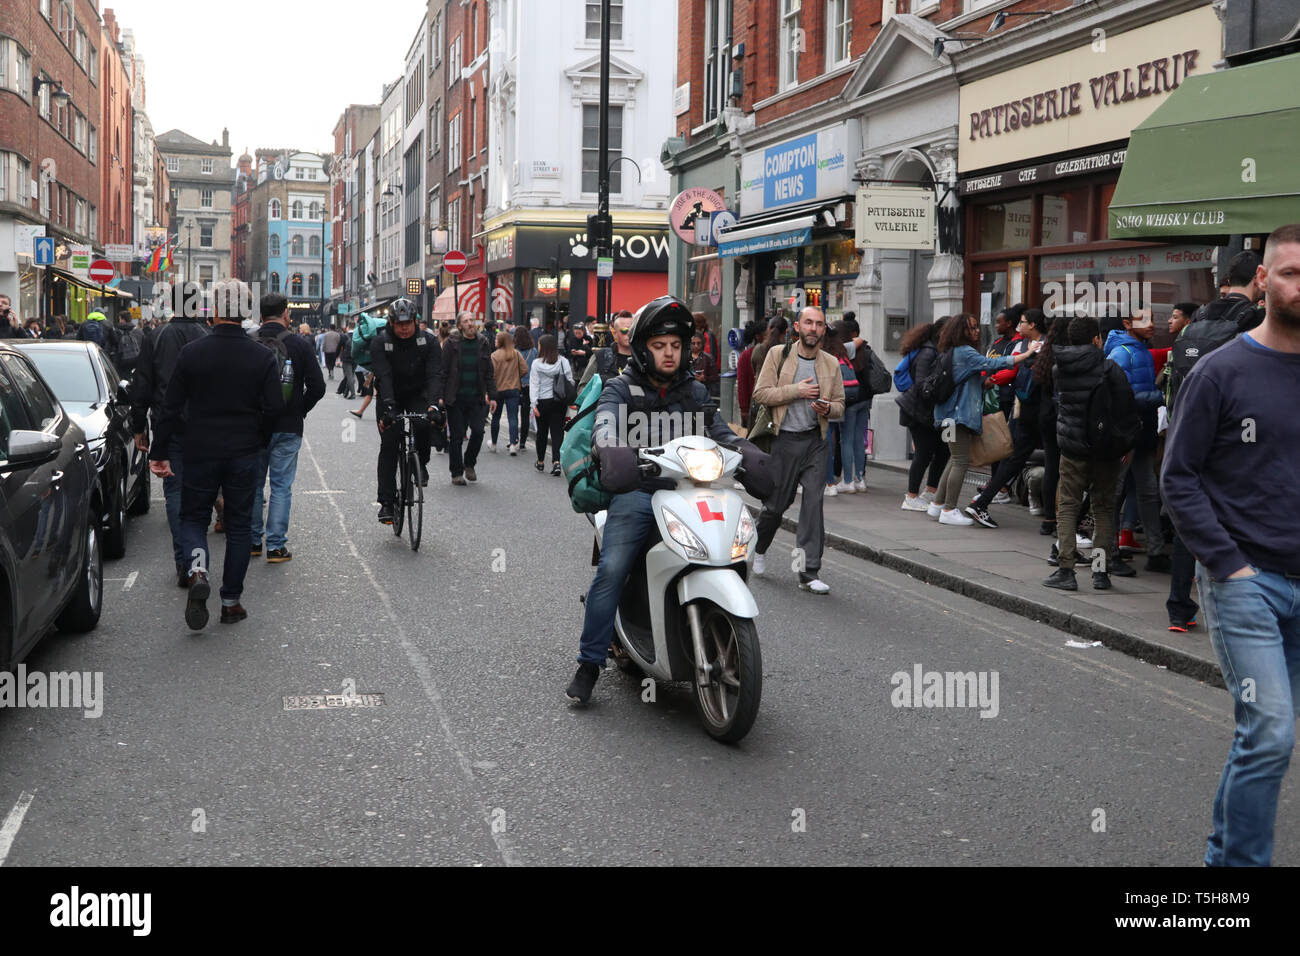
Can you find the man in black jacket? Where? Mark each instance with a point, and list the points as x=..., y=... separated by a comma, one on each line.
x=153, y=371
x=405, y=362
x=611, y=360
x=1091, y=462
x=467, y=388
x=226, y=389
x=280, y=458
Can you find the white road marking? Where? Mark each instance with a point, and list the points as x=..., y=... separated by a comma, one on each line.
x=130, y=580
x=322, y=492
x=9, y=829
x=420, y=664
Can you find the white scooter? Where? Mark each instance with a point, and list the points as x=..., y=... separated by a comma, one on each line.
x=686, y=613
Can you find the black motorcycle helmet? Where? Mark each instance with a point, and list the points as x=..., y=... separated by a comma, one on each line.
x=665, y=315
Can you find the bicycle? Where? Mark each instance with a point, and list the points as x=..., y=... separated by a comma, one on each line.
x=408, y=510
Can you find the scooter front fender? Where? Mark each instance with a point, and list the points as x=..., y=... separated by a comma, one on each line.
x=723, y=586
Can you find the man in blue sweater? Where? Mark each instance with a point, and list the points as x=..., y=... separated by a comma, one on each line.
x=1130, y=349
x=1233, y=452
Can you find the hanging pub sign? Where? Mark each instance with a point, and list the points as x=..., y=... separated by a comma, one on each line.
x=894, y=217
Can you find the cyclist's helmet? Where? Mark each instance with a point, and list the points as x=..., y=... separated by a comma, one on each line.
x=665, y=315
x=402, y=310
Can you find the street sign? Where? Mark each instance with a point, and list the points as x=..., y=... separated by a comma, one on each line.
x=44, y=246
x=413, y=286
x=79, y=259
x=24, y=236
x=604, y=267
x=101, y=270
x=119, y=252
x=720, y=221
x=454, y=262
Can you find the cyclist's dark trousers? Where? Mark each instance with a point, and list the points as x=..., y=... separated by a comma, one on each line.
x=390, y=444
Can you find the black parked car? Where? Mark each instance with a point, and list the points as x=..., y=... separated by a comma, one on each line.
x=51, y=569
x=90, y=389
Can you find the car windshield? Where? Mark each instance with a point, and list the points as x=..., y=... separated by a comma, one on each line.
x=69, y=374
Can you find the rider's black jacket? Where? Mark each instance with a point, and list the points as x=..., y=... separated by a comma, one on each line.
x=405, y=369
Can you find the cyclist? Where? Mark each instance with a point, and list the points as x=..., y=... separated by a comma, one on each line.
x=405, y=362
x=657, y=379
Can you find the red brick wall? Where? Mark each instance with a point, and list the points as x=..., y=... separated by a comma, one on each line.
x=22, y=130
x=116, y=222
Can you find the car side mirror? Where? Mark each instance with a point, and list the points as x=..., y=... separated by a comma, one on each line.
x=124, y=392
x=27, y=449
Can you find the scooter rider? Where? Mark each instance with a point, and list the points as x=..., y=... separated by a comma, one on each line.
x=632, y=406
x=405, y=362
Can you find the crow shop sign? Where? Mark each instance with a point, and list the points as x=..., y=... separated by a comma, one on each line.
x=800, y=170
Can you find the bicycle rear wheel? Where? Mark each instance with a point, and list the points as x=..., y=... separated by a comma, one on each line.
x=414, y=503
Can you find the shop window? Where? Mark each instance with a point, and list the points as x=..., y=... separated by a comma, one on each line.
x=1004, y=225
x=615, y=20
x=844, y=258
x=1066, y=215
x=1105, y=192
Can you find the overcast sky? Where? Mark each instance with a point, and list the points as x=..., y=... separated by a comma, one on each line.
x=276, y=72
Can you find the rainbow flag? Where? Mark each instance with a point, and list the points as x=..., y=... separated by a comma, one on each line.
x=160, y=260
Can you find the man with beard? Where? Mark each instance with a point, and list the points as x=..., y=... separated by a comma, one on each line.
x=1233, y=451
x=804, y=389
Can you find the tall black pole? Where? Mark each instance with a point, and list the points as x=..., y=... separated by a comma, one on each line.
x=605, y=228
x=322, y=262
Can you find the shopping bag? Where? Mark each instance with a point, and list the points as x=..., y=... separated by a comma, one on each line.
x=993, y=443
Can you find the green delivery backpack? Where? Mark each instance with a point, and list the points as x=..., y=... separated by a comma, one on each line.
x=365, y=332
x=576, y=461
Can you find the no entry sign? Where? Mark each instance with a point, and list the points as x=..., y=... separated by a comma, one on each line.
x=101, y=270
x=454, y=262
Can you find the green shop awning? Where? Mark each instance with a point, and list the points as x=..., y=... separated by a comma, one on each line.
x=1217, y=158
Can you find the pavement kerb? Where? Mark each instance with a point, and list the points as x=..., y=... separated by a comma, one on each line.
x=967, y=583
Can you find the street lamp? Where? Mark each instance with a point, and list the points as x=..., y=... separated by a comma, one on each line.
x=59, y=92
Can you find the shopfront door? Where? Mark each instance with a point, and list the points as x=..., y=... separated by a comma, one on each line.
x=997, y=285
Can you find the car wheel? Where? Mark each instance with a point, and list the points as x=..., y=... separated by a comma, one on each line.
x=82, y=612
x=143, y=490
x=115, y=532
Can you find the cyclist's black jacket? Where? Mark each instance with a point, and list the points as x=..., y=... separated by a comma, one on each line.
x=405, y=369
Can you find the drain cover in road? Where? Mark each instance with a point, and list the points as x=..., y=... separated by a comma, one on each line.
x=332, y=701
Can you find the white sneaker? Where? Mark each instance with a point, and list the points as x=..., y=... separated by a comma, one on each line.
x=934, y=510
x=830, y=491
x=928, y=496
x=953, y=516
x=1002, y=498
x=513, y=449
x=492, y=447
x=914, y=504
x=861, y=486
x=816, y=586
x=846, y=488
x=1034, y=507
x=1082, y=543
x=760, y=563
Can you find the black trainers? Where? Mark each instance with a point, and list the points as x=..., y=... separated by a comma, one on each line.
x=1063, y=580
x=256, y=550
x=540, y=465
x=1053, y=558
x=196, y=606
x=982, y=516
x=1159, y=563
x=470, y=474
x=278, y=556
x=555, y=469
x=233, y=615
x=1047, y=527
x=424, y=475
x=1100, y=581
x=385, y=514
x=579, y=689
x=1120, y=568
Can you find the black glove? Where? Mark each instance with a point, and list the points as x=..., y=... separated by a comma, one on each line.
x=755, y=472
x=619, y=469
x=387, y=411
x=437, y=416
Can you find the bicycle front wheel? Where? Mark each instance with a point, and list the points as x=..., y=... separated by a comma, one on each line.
x=414, y=503
x=403, y=494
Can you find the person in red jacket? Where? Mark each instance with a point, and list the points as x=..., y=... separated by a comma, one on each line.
x=755, y=335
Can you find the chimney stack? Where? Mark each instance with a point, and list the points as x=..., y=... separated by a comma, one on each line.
x=225, y=138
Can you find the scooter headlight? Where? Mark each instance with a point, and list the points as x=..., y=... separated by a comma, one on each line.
x=679, y=532
x=744, y=534
x=702, y=464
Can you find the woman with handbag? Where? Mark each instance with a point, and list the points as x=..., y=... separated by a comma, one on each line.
x=929, y=454
x=960, y=415
x=549, y=381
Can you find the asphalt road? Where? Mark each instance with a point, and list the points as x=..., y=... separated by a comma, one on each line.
x=475, y=758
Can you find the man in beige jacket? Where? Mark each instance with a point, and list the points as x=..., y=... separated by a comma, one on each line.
x=802, y=386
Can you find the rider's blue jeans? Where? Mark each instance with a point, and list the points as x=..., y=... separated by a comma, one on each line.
x=629, y=523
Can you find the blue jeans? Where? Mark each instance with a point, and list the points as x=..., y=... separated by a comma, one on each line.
x=507, y=403
x=236, y=479
x=832, y=442
x=172, y=494
x=630, y=523
x=853, y=442
x=1255, y=630
x=280, y=461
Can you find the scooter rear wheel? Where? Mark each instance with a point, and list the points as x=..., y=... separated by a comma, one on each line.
x=728, y=704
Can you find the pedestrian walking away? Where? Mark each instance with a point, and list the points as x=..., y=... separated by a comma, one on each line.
x=301, y=387
x=526, y=347
x=466, y=388
x=1222, y=485
x=226, y=391
x=154, y=369
x=803, y=387
x=509, y=369
x=549, y=411
x=330, y=344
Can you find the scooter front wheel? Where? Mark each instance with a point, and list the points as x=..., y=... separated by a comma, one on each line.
x=728, y=704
